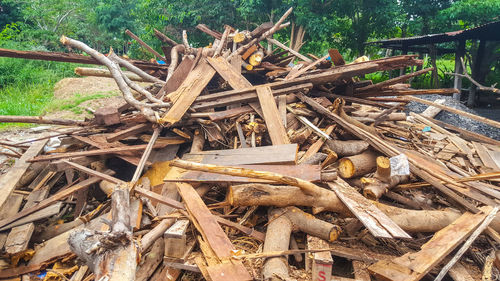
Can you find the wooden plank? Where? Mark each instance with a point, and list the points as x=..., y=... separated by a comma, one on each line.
x=276, y=154
x=219, y=115
x=188, y=91
x=9, y=180
x=272, y=117
x=306, y=172
x=220, y=99
x=176, y=80
x=377, y=222
x=46, y=212
x=213, y=234
x=227, y=71
x=10, y=208
x=414, y=266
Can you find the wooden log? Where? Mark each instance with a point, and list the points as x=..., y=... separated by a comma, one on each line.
x=277, y=239
x=347, y=148
x=164, y=38
x=100, y=72
x=357, y=165
x=281, y=196
x=204, y=28
x=118, y=261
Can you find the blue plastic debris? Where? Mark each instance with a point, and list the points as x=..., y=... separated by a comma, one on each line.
x=426, y=129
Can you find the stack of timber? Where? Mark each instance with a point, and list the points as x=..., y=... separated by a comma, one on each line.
x=234, y=165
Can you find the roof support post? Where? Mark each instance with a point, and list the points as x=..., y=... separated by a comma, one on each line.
x=459, y=54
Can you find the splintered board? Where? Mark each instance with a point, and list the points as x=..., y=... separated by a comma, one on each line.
x=414, y=266
x=378, y=223
x=276, y=154
x=214, y=236
x=306, y=172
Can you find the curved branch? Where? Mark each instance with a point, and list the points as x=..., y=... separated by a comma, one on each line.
x=174, y=59
x=479, y=86
x=222, y=41
x=134, y=68
x=117, y=75
x=266, y=34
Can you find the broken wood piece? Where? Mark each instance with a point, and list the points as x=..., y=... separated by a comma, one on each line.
x=118, y=261
x=175, y=239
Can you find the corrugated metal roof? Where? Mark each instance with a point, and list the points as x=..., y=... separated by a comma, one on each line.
x=489, y=31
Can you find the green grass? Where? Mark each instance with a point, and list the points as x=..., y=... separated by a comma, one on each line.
x=72, y=104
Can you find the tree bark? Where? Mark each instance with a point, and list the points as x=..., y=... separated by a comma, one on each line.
x=347, y=148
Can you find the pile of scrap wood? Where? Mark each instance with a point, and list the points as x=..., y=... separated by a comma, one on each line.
x=235, y=164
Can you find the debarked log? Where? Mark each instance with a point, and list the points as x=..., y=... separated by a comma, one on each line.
x=282, y=196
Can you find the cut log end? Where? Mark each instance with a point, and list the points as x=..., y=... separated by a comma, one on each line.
x=346, y=168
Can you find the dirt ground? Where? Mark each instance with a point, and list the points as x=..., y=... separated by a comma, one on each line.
x=71, y=88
